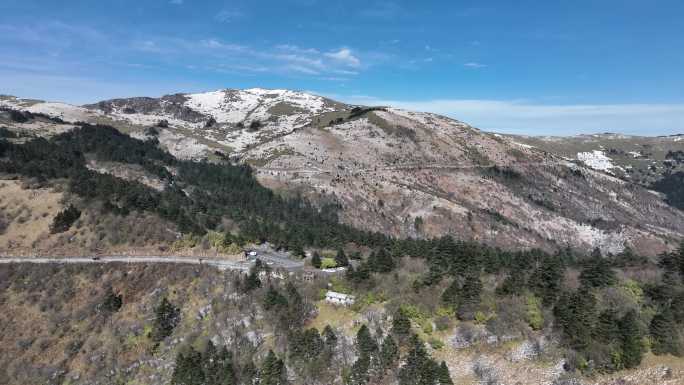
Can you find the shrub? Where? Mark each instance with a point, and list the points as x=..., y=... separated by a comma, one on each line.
x=167, y=317
x=328, y=263
x=64, y=219
x=112, y=302
x=255, y=125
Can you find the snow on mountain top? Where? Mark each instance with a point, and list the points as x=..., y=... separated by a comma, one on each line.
x=66, y=112
x=233, y=106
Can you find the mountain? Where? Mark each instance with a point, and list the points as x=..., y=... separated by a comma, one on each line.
x=641, y=159
x=407, y=174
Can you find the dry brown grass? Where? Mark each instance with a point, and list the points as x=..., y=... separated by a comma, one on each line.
x=32, y=211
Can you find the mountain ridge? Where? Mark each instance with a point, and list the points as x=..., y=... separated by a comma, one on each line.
x=408, y=174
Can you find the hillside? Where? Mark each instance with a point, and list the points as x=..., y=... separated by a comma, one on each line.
x=402, y=173
x=429, y=308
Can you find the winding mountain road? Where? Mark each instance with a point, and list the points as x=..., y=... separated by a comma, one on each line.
x=219, y=263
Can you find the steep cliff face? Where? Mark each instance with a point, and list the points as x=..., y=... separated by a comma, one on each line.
x=409, y=174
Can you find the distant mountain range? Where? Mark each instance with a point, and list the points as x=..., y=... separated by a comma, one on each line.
x=410, y=174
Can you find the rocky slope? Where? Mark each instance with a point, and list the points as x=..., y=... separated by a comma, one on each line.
x=404, y=173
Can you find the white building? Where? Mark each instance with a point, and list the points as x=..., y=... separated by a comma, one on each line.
x=336, y=298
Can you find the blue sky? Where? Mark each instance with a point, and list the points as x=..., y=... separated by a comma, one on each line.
x=536, y=67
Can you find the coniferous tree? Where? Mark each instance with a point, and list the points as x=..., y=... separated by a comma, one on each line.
x=365, y=343
x=469, y=297
x=576, y=314
x=443, y=375
x=112, y=302
x=167, y=316
x=252, y=280
x=451, y=294
x=188, y=369
x=329, y=337
x=419, y=368
x=547, y=279
x=401, y=324
x=367, y=350
x=381, y=261
x=597, y=272
x=64, y=219
x=274, y=300
x=389, y=353
x=316, y=260
x=665, y=335
x=632, y=347
x=272, y=371
x=341, y=258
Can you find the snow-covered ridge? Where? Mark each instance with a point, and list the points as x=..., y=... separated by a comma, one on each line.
x=233, y=106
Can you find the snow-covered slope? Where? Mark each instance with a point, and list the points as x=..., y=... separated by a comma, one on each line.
x=233, y=118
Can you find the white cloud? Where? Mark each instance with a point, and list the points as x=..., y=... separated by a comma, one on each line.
x=474, y=65
x=345, y=56
x=523, y=117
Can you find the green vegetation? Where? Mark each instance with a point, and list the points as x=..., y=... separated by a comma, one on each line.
x=64, y=219
x=167, y=317
x=112, y=302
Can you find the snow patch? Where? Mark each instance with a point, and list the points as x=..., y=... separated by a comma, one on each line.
x=596, y=159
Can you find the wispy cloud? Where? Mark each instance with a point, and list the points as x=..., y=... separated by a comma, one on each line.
x=345, y=56
x=525, y=117
x=474, y=65
x=282, y=58
x=229, y=15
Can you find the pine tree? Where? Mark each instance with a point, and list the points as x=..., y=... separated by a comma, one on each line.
x=188, y=370
x=316, y=260
x=359, y=374
x=367, y=349
x=166, y=318
x=443, y=375
x=632, y=347
x=381, y=262
x=469, y=297
x=365, y=343
x=419, y=368
x=665, y=336
x=451, y=294
x=252, y=281
x=274, y=300
x=597, y=272
x=547, y=278
x=401, y=324
x=329, y=337
x=341, y=258
x=272, y=371
x=389, y=353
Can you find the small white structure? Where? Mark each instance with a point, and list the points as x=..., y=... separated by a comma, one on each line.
x=336, y=298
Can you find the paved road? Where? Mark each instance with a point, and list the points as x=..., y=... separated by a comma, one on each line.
x=274, y=259
x=277, y=258
x=221, y=264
